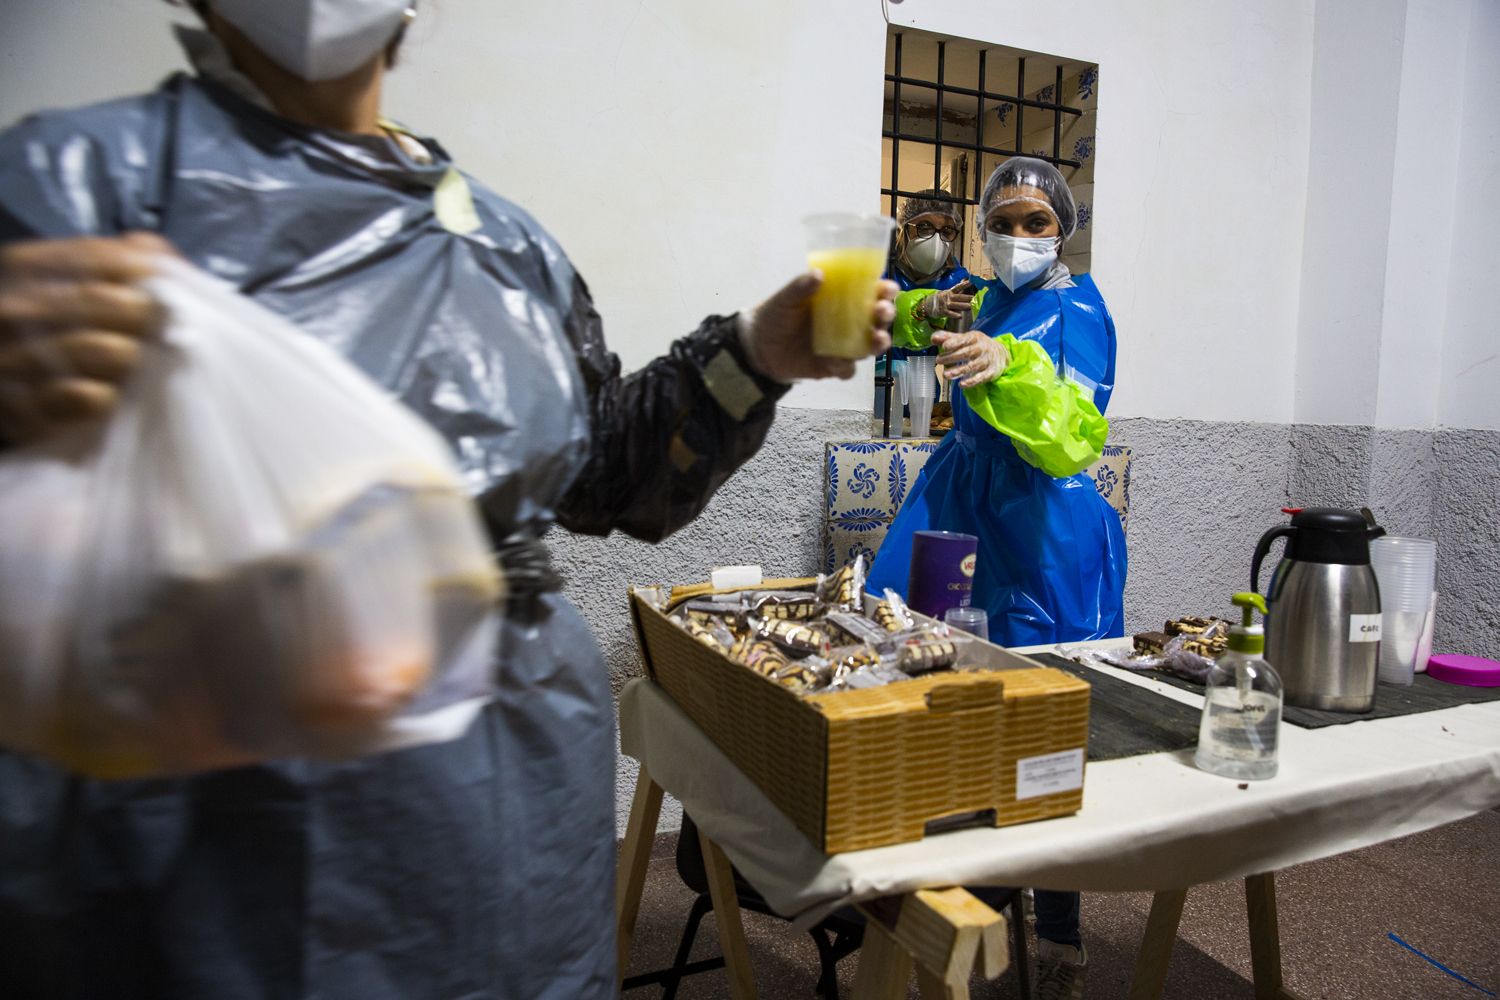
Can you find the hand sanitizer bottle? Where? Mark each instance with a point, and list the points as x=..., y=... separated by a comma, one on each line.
x=1241, y=704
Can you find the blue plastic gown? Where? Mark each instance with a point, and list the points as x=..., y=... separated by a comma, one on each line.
x=1051, y=562
x=480, y=868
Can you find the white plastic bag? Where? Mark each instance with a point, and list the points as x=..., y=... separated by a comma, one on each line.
x=261, y=554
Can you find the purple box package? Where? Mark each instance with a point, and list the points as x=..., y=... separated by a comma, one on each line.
x=942, y=571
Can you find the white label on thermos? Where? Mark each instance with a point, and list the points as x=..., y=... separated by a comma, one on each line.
x=1364, y=628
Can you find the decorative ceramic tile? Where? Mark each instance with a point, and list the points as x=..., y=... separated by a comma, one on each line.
x=1111, y=475
x=847, y=539
x=876, y=475
x=1083, y=89
x=1080, y=142
x=856, y=476
x=1083, y=239
x=906, y=463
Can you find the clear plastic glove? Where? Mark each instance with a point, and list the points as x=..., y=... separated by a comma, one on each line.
x=950, y=303
x=972, y=358
x=777, y=336
x=72, y=319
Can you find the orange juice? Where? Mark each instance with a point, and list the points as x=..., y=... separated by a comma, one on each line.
x=841, y=308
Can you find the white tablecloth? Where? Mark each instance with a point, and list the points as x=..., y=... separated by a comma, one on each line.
x=1150, y=822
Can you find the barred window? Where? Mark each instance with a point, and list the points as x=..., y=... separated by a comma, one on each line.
x=956, y=108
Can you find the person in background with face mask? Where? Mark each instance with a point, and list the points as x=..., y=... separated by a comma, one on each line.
x=924, y=264
x=481, y=867
x=1051, y=561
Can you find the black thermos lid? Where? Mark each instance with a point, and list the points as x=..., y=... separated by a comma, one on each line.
x=1330, y=535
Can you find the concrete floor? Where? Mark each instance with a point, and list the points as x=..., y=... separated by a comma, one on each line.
x=1439, y=891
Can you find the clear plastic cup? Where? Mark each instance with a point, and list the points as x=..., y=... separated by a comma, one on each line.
x=1405, y=568
x=1424, y=644
x=970, y=619
x=851, y=250
x=903, y=392
x=921, y=391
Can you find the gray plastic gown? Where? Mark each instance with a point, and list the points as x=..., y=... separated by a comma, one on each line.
x=477, y=868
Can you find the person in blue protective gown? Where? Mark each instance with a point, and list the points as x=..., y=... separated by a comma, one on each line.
x=477, y=868
x=1036, y=374
x=924, y=261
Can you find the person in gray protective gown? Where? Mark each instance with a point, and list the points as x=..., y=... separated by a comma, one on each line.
x=478, y=868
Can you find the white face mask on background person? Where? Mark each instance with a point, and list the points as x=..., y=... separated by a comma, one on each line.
x=927, y=254
x=317, y=39
x=1018, y=260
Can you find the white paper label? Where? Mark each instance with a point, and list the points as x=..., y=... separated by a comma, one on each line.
x=736, y=577
x=1364, y=628
x=1053, y=772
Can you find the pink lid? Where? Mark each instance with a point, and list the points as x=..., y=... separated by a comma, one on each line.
x=1471, y=671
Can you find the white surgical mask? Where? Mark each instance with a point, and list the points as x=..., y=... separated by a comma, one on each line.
x=927, y=254
x=316, y=39
x=1018, y=260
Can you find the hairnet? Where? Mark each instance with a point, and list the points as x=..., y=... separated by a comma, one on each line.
x=931, y=200
x=1026, y=171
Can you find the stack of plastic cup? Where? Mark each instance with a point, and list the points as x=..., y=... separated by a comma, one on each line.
x=1405, y=569
x=975, y=621
x=921, y=391
x=898, y=399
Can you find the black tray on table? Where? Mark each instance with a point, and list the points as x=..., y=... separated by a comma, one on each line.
x=1126, y=720
x=1391, y=700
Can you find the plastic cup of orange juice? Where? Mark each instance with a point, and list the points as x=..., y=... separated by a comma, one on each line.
x=850, y=249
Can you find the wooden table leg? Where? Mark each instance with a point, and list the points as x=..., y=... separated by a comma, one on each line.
x=932, y=986
x=884, y=966
x=945, y=933
x=1265, y=938
x=1156, y=946
x=635, y=858
x=727, y=915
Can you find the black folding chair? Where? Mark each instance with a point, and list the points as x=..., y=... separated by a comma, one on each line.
x=837, y=936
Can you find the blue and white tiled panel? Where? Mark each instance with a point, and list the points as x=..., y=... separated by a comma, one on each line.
x=865, y=479
x=1111, y=476
x=853, y=528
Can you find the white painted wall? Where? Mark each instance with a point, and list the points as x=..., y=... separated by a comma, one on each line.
x=1423, y=206
x=1403, y=195
x=1203, y=131
x=58, y=53
x=1355, y=90
x=1470, y=378
x=672, y=146
x=1252, y=221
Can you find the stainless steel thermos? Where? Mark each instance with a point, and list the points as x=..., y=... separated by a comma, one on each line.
x=1323, y=622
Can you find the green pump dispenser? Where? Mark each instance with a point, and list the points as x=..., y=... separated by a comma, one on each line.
x=1248, y=637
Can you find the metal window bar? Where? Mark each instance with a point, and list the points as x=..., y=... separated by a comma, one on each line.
x=897, y=136
x=1030, y=102
x=886, y=363
x=1057, y=118
x=979, y=134
x=1020, y=107
x=937, y=124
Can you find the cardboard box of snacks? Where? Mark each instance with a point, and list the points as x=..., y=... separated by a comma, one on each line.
x=1002, y=741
